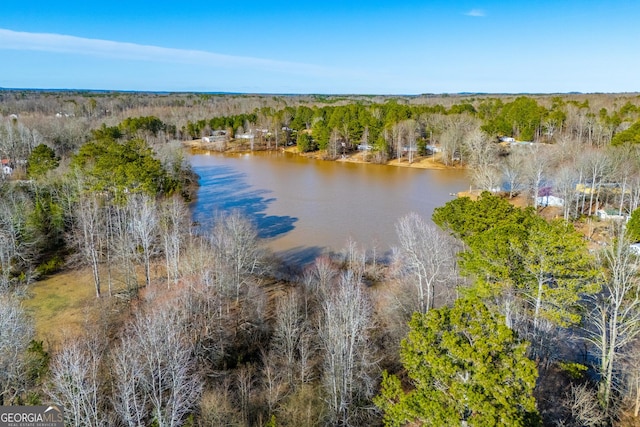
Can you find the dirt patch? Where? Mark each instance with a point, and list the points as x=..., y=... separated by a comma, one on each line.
x=424, y=163
x=597, y=233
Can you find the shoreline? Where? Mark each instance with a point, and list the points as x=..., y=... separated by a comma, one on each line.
x=421, y=162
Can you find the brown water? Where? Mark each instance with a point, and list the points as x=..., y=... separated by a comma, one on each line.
x=306, y=206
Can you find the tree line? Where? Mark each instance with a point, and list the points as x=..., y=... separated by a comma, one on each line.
x=381, y=125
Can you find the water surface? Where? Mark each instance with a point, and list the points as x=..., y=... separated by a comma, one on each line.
x=306, y=206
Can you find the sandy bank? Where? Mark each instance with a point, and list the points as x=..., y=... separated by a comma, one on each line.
x=358, y=157
x=418, y=162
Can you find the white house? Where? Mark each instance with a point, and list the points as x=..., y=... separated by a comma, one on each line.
x=611, y=215
x=6, y=168
x=550, y=201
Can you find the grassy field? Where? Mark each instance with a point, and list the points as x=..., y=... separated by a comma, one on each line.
x=63, y=304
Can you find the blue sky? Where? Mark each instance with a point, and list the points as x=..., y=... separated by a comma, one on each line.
x=330, y=46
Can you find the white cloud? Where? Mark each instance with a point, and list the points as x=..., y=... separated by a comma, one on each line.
x=477, y=13
x=60, y=43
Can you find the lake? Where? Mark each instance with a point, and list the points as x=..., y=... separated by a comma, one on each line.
x=303, y=207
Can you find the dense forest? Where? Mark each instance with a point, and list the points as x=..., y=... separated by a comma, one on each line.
x=519, y=305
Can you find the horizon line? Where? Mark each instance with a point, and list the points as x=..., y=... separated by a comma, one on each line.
x=222, y=92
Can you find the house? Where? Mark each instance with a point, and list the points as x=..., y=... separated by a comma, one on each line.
x=6, y=169
x=216, y=136
x=586, y=189
x=609, y=214
x=550, y=201
x=432, y=149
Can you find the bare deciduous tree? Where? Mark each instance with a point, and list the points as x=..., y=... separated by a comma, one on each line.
x=536, y=170
x=565, y=179
x=76, y=384
x=123, y=245
x=17, y=141
x=88, y=234
x=211, y=322
x=16, y=333
x=354, y=258
x=454, y=130
x=9, y=243
x=320, y=275
x=218, y=406
x=411, y=133
x=245, y=383
x=582, y=403
x=597, y=168
x=482, y=158
x=162, y=372
x=129, y=398
x=632, y=379
x=273, y=383
x=174, y=224
x=425, y=259
x=18, y=240
x=343, y=335
x=624, y=166
x=512, y=170
x=144, y=225
x=614, y=321
x=290, y=339
x=238, y=252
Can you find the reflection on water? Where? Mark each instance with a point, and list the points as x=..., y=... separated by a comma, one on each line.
x=223, y=189
x=304, y=206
